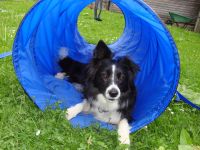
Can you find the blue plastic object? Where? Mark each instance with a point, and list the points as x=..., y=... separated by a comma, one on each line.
x=180, y=97
x=3, y=55
x=52, y=24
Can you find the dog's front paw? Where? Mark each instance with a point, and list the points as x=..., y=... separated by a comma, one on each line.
x=74, y=110
x=60, y=75
x=78, y=86
x=70, y=113
x=123, y=132
x=124, y=140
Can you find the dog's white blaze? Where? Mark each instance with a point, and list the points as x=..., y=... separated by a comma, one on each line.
x=123, y=131
x=113, y=74
x=113, y=85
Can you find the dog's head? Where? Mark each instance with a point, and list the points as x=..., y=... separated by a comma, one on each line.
x=110, y=77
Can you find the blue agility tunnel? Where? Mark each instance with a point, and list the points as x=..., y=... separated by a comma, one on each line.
x=52, y=24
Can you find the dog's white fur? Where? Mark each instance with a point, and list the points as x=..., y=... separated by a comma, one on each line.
x=63, y=52
x=74, y=111
x=78, y=86
x=105, y=110
x=123, y=131
x=112, y=117
x=60, y=75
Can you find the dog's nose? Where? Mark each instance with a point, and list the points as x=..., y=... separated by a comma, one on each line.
x=113, y=93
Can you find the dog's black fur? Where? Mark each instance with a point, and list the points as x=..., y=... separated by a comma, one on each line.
x=96, y=77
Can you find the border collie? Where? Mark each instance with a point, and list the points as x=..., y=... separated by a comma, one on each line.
x=107, y=85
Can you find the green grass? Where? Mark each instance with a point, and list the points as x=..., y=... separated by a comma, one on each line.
x=188, y=44
x=11, y=13
x=112, y=26
x=20, y=119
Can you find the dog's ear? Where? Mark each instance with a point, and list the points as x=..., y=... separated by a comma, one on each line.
x=102, y=51
x=131, y=66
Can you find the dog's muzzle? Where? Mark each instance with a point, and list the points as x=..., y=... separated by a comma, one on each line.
x=112, y=92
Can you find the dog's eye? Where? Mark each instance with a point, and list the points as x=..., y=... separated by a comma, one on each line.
x=104, y=76
x=120, y=76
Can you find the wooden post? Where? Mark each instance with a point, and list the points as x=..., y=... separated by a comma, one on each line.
x=197, y=26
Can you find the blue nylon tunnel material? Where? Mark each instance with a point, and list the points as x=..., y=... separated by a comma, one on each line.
x=50, y=25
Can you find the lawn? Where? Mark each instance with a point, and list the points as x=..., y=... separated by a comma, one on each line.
x=24, y=126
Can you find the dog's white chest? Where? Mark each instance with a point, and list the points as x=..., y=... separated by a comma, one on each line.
x=106, y=111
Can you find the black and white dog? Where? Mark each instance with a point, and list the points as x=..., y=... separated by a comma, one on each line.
x=108, y=87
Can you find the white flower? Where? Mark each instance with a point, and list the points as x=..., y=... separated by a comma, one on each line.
x=145, y=128
x=37, y=132
x=169, y=109
x=182, y=110
x=172, y=112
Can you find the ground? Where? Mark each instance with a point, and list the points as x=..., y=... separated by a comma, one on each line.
x=24, y=126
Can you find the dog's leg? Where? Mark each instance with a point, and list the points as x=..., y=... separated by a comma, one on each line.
x=78, y=86
x=76, y=109
x=86, y=107
x=60, y=75
x=123, y=131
